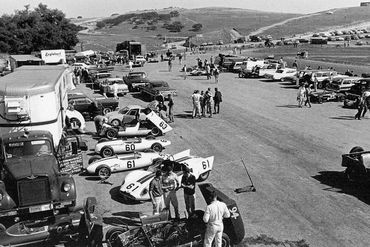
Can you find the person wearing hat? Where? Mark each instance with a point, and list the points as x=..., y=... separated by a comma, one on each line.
x=156, y=193
x=188, y=183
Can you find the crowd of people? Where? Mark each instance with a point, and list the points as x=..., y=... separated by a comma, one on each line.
x=203, y=103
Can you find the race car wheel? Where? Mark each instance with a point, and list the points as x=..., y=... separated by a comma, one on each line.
x=320, y=100
x=115, y=122
x=106, y=151
x=93, y=159
x=75, y=123
x=225, y=242
x=106, y=110
x=240, y=75
x=319, y=85
x=112, y=234
x=155, y=131
x=353, y=172
x=203, y=176
x=111, y=133
x=103, y=172
x=157, y=147
x=103, y=140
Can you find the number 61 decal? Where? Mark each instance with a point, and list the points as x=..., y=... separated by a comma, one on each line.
x=205, y=164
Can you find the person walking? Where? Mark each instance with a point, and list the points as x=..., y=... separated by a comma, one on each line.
x=360, y=107
x=180, y=58
x=202, y=104
x=170, y=184
x=188, y=183
x=217, y=100
x=209, y=101
x=185, y=72
x=170, y=108
x=216, y=73
x=156, y=193
x=130, y=64
x=300, y=95
x=213, y=217
x=208, y=71
x=170, y=64
x=196, y=104
x=307, y=95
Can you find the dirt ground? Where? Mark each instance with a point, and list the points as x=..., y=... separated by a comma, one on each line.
x=292, y=154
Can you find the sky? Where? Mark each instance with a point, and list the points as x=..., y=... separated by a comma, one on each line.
x=103, y=8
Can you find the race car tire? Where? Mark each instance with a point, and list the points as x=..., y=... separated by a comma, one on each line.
x=116, y=122
x=106, y=110
x=240, y=75
x=111, y=133
x=155, y=131
x=157, y=147
x=203, y=176
x=106, y=151
x=225, y=242
x=103, y=140
x=320, y=100
x=320, y=85
x=75, y=123
x=93, y=159
x=103, y=172
x=112, y=234
x=354, y=172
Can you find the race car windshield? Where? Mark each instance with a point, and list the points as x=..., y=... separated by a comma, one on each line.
x=28, y=148
x=124, y=110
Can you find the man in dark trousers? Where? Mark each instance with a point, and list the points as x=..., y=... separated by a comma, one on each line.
x=217, y=100
x=188, y=183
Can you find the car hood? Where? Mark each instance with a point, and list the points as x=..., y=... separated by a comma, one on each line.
x=31, y=166
x=113, y=114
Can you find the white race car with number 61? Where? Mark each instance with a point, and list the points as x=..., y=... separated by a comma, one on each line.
x=109, y=148
x=104, y=167
x=136, y=183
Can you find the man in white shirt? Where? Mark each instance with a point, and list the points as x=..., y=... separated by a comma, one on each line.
x=213, y=217
x=196, y=103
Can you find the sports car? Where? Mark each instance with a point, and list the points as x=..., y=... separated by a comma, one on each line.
x=136, y=183
x=104, y=167
x=109, y=148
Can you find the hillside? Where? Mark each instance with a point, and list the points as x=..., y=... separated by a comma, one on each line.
x=214, y=21
x=340, y=18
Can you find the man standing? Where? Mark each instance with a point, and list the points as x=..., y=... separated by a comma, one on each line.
x=170, y=64
x=156, y=193
x=130, y=64
x=188, y=183
x=185, y=72
x=216, y=73
x=307, y=95
x=202, y=103
x=209, y=101
x=196, y=103
x=170, y=184
x=217, y=100
x=300, y=95
x=213, y=216
x=170, y=108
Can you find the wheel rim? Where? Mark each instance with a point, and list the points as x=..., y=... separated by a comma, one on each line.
x=115, y=122
x=107, y=152
x=75, y=123
x=104, y=172
x=106, y=110
x=111, y=134
x=157, y=148
x=155, y=131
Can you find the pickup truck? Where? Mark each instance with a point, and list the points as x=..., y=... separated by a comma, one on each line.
x=153, y=89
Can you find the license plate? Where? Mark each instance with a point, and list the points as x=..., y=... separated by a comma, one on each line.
x=41, y=208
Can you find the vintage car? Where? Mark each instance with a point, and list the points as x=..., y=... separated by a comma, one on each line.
x=357, y=164
x=109, y=148
x=125, y=115
x=104, y=167
x=153, y=125
x=352, y=95
x=99, y=77
x=196, y=71
x=326, y=96
x=342, y=84
x=136, y=184
x=159, y=230
x=90, y=107
x=107, y=86
x=281, y=74
x=268, y=69
x=134, y=79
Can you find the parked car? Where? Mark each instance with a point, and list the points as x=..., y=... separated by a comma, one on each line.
x=160, y=230
x=91, y=107
x=135, y=79
x=268, y=69
x=104, y=167
x=107, y=148
x=281, y=74
x=107, y=86
x=99, y=77
x=356, y=90
x=155, y=89
x=136, y=184
x=125, y=115
x=342, y=84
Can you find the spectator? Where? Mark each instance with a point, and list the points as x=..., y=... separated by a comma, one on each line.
x=170, y=184
x=185, y=72
x=217, y=100
x=170, y=64
x=360, y=106
x=180, y=59
x=307, y=94
x=216, y=74
x=130, y=64
x=156, y=193
x=196, y=104
x=170, y=108
x=300, y=95
x=202, y=103
x=209, y=101
x=188, y=183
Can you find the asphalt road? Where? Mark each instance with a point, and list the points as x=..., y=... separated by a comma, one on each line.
x=292, y=154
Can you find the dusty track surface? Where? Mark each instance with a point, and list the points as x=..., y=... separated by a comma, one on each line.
x=292, y=154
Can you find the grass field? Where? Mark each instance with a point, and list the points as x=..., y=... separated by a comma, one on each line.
x=321, y=22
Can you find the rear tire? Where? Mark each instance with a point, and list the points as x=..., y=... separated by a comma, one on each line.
x=157, y=147
x=116, y=122
x=106, y=151
x=103, y=172
x=112, y=234
x=225, y=242
x=111, y=133
x=155, y=131
x=106, y=110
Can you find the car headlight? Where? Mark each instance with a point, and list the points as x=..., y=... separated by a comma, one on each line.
x=67, y=187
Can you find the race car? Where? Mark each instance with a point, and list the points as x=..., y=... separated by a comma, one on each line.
x=104, y=167
x=108, y=148
x=136, y=183
x=160, y=230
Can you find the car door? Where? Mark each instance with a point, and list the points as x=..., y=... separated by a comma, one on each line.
x=130, y=116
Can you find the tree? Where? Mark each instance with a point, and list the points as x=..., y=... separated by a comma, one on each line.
x=174, y=13
x=175, y=26
x=27, y=31
x=197, y=27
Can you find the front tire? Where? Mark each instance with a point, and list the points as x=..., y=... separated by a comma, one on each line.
x=112, y=234
x=157, y=147
x=106, y=151
x=155, y=131
x=111, y=133
x=116, y=122
x=203, y=176
x=103, y=172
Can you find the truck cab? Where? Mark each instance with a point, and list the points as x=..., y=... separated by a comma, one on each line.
x=32, y=185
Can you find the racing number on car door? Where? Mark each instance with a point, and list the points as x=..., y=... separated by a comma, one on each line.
x=130, y=164
x=163, y=125
x=130, y=147
x=205, y=164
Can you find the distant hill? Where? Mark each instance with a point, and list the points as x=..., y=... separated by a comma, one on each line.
x=323, y=21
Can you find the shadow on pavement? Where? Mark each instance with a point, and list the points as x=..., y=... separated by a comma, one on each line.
x=288, y=106
x=339, y=183
x=352, y=117
x=184, y=115
x=114, y=193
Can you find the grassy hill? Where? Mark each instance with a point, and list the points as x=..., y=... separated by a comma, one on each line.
x=215, y=22
x=322, y=22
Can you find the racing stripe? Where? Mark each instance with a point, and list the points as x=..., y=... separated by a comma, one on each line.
x=183, y=159
x=146, y=178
